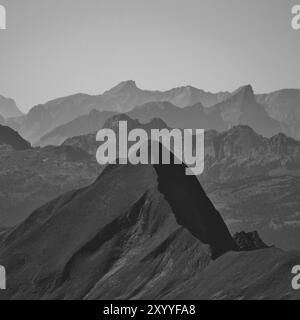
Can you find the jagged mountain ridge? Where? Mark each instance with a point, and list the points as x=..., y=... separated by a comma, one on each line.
x=136, y=247
x=240, y=108
x=240, y=152
x=119, y=227
x=244, y=172
x=122, y=98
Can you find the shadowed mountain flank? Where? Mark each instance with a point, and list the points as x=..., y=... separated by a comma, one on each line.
x=11, y=138
x=192, y=207
x=128, y=235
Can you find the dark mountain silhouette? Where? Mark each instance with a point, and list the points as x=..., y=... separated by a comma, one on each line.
x=283, y=106
x=248, y=241
x=132, y=226
x=128, y=236
x=242, y=109
x=245, y=172
x=8, y=108
x=208, y=226
x=11, y=138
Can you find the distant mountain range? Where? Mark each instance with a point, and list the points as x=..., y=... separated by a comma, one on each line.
x=241, y=108
x=185, y=107
x=125, y=96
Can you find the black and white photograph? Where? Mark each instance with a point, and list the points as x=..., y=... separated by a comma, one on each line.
x=149, y=151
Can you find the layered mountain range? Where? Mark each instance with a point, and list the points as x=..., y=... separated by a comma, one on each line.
x=62, y=118
x=125, y=96
x=244, y=172
x=72, y=229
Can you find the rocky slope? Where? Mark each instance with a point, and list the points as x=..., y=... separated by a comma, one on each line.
x=138, y=232
x=254, y=182
x=240, y=153
x=124, y=236
x=256, y=275
x=31, y=177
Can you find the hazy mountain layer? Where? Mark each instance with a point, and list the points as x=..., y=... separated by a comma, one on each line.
x=284, y=106
x=8, y=108
x=80, y=126
x=242, y=109
x=125, y=96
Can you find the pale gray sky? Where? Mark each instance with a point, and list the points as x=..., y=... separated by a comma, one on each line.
x=53, y=48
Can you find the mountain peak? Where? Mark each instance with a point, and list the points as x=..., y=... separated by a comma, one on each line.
x=123, y=86
x=246, y=91
x=8, y=108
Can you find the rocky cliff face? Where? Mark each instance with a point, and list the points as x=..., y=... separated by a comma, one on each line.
x=247, y=241
x=242, y=109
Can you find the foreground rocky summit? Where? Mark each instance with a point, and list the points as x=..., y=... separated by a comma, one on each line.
x=118, y=238
x=138, y=232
